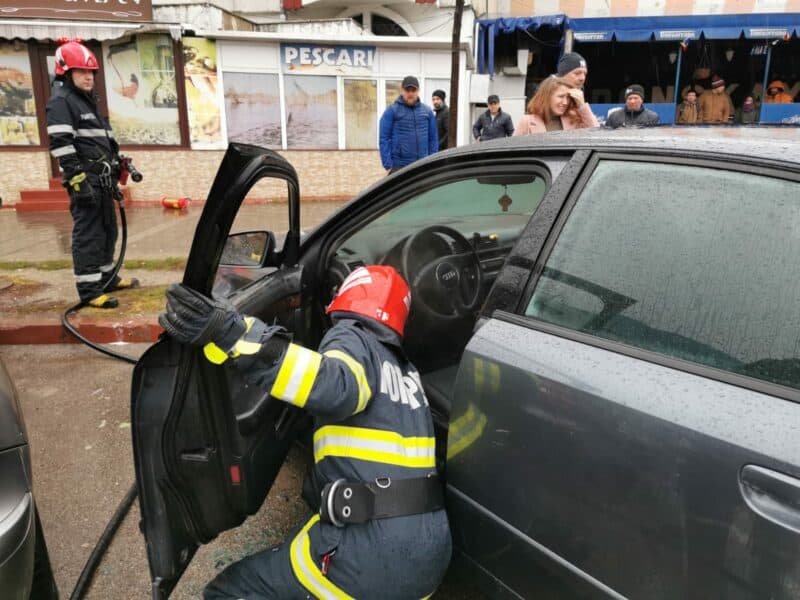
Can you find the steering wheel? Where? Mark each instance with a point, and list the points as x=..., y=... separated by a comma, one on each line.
x=449, y=286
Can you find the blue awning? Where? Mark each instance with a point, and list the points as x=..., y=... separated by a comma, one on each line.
x=687, y=27
x=489, y=29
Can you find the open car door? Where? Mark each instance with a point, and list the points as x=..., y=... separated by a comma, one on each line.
x=207, y=447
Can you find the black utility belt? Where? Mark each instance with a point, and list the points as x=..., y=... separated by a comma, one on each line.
x=344, y=502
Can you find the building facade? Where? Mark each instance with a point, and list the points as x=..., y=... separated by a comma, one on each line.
x=179, y=81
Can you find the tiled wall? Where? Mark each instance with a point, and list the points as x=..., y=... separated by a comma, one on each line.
x=22, y=170
x=174, y=173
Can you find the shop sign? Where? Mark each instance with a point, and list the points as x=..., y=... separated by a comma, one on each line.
x=95, y=10
x=677, y=35
x=327, y=60
x=593, y=36
x=767, y=32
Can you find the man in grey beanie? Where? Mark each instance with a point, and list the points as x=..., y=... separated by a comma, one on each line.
x=572, y=69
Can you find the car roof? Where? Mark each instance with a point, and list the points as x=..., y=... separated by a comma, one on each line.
x=780, y=144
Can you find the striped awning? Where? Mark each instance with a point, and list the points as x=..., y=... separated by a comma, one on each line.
x=52, y=30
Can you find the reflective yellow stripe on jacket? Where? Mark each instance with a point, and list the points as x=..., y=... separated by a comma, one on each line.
x=374, y=445
x=296, y=376
x=364, y=391
x=306, y=570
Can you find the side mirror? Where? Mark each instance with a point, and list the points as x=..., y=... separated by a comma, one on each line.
x=253, y=249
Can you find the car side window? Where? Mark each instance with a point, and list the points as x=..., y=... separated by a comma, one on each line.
x=691, y=262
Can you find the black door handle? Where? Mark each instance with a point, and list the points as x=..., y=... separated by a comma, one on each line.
x=773, y=495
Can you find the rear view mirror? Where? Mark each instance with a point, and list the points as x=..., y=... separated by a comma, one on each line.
x=252, y=249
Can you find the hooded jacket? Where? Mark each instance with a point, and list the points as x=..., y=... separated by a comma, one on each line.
x=715, y=108
x=643, y=117
x=782, y=97
x=407, y=133
x=689, y=113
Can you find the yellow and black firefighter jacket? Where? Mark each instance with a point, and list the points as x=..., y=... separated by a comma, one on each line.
x=372, y=420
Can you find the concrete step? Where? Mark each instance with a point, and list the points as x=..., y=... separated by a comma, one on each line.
x=46, y=200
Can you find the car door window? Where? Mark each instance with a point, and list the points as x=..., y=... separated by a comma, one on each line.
x=691, y=262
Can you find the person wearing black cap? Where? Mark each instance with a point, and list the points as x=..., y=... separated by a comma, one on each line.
x=494, y=123
x=633, y=114
x=442, y=117
x=408, y=129
x=572, y=69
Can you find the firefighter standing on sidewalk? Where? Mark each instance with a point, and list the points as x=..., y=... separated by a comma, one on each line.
x=379, y=529
x=82, y=141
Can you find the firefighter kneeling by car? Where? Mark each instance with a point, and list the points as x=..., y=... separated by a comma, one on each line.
x=380, y=530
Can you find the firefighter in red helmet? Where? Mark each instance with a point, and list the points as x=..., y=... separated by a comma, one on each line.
x=378, y=527
x=83, y=143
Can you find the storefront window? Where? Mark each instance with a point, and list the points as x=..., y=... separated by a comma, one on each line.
x=392, y=87
x=311, y=112
x=253, y=108
x=141, y=90
x=18, y=124
x=360, y=113
x=203, y=96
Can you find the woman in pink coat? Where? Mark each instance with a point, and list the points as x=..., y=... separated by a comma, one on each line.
x=556, y=106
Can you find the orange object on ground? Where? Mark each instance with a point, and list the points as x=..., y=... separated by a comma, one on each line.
x=177, y=203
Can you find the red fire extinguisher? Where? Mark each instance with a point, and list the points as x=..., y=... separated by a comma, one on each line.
x=176, y=203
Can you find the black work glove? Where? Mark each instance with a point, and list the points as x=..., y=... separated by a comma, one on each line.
x=192, y=318
x=80, y=188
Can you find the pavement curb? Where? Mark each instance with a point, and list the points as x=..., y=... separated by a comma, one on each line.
x=49, y=330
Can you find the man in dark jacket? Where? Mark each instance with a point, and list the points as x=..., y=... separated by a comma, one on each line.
x=442, y=117
x=494, y=123
x=379, y=529
x=633, y=114
x=82, y=141
x=408, y=129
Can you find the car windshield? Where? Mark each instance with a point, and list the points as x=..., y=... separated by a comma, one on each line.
x=486, y=206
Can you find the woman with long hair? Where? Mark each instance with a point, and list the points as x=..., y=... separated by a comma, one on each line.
x=554, y=107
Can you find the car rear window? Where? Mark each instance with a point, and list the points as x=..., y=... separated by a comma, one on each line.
x=696, y=263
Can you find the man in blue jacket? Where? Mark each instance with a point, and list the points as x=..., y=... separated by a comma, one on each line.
x=408, y=129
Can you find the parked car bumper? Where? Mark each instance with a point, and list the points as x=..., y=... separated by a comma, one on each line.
x=17, y=528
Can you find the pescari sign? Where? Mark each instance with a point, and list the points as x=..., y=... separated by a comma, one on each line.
x=327, y=60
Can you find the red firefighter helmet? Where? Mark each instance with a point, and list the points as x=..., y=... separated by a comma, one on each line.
x=377, y=292
x=71, y=54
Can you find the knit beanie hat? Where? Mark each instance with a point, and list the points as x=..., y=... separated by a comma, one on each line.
x=634, y=89
x=717, y=81
x=569, y=62
x=439, y=94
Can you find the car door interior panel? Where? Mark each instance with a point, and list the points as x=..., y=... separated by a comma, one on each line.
x=207, y=446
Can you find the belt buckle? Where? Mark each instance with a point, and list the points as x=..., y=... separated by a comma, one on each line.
x=328, y=500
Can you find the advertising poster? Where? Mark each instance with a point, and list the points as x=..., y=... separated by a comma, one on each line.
x=141, y=91
x=18, y=126
x=360, y=113
x=392, y=87
x=253, y=108
x=203, y=92
x=311, y=117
